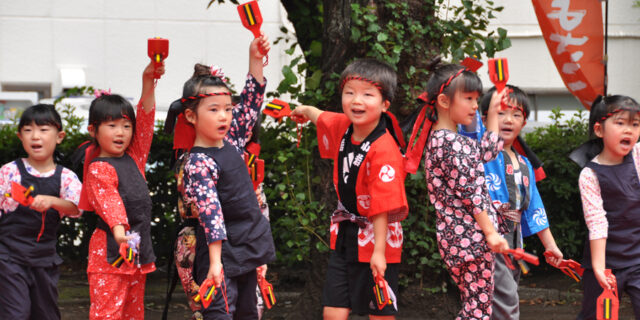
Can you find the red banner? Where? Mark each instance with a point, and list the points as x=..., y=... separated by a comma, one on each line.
x=573, y=32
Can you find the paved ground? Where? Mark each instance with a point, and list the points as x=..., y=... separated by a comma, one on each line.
x=542, y=297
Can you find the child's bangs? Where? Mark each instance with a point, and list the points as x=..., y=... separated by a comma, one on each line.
x=39, y=119
x=467, y=82
x=41, y=115
x=109, y=108
x=624, y=105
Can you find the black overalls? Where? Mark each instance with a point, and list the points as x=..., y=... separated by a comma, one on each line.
x=28, y=267
x=620, y=191
x=134, y=192
x=249, y=241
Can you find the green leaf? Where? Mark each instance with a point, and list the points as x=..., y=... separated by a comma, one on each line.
x=313, y=82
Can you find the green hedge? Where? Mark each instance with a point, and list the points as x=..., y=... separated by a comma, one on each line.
x=559, y=191
x=300, y=219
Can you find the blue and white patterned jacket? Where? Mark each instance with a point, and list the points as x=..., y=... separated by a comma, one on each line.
x=534, y=217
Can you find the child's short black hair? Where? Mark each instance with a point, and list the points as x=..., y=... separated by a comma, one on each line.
x=41, y=114
x=603, y=107
x=109, y=108
x=376, y=71
x=467, y=81
x=516, y=94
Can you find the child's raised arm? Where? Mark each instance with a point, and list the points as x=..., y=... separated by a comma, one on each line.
x=148, y=95
x=256, y=65
x=145, y=116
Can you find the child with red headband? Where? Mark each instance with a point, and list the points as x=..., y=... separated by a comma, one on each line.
x=609, y=187
x=29, y=232
x=116, y=190
x=364, y=143
x=467, y=226
x=511, y=182
x=233, y=238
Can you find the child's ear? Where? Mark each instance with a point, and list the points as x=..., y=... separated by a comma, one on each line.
x=385, y=105
x=92, y=130
x=598, y=129
x=60, y=137
x=443, y=100
x=190, y=116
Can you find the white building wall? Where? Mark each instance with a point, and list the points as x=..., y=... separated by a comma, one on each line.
x=108, y=40
x=531, y=66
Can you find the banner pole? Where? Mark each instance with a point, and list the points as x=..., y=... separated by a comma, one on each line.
x=606, y=42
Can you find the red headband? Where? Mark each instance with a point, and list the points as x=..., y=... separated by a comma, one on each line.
x=427, y=117
x=204, y=95
x=375, y=84
x=608, y=115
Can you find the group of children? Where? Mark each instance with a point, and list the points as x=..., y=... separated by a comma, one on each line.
x=483, y=190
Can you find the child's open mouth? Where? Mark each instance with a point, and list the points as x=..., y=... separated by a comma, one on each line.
x=119, y=143
x=36, y=147
x=222, y=129
x=625, y=142
x=357, y=112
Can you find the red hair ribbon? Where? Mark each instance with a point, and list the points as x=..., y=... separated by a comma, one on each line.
x=422, y=124
x=184, y=134
x=346, y=79
x=425, y=121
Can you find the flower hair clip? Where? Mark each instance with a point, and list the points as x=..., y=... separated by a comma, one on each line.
x=216, y=71
x=99, y=93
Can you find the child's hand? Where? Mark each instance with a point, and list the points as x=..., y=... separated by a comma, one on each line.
x=42, y=203
x=555, y=258
x=259, y=47
x=494, y=108
x=378, y=264
x=262, y=270
x=150, y=72
x=299, y=114
x=215, y=273
x=605, y=283
x=497, y=243
x=119, y=234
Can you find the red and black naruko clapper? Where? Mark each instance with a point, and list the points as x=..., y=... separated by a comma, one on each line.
x=158, y=50
x=20, y=194
x=277, y=109
x=23, y=196
x=127, y=254
x=381, y=292
x=569, y=267
x=251, y=18
x=520, y=255
x=608, y=303
x=280, y=109
x=267, y=291
x=207, y=292
x=255, y=165
x=499, y=75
